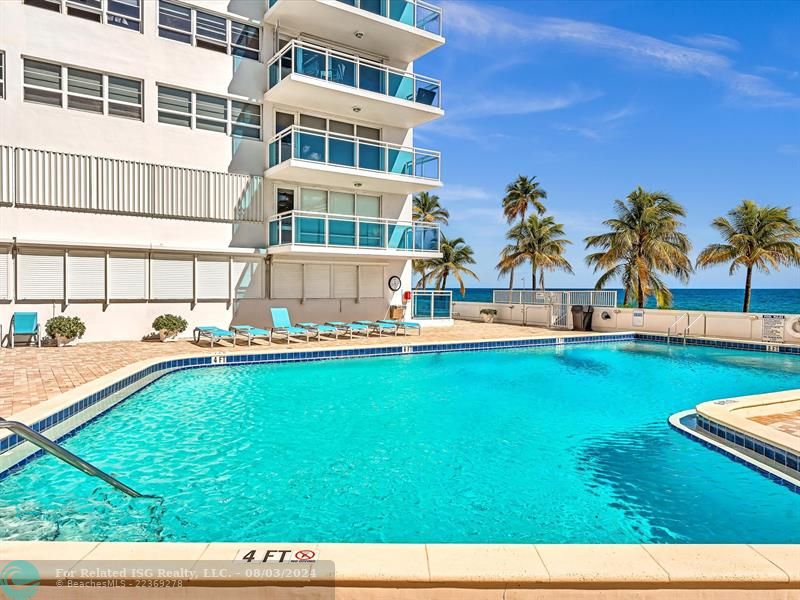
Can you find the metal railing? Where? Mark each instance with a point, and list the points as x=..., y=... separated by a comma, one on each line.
x=688, y=328
x=596, y=298
x=316, y=61
x=431, y=304
x=58, y=180
x=675, y=325
x=415, y=13
x=314, y=145
x=345, y=231
x=61, y=453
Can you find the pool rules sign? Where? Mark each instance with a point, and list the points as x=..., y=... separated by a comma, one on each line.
x=772, y=329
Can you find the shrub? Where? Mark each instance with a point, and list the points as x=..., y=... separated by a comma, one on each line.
x=489, y=311
x=170, y=323
x=65, y=327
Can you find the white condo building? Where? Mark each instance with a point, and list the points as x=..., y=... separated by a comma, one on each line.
x=212, y=158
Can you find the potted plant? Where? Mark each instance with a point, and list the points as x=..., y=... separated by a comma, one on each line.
x=488, y=314
x=65, y=330
x=169, y=326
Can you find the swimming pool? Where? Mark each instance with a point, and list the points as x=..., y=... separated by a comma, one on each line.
x=565, y=444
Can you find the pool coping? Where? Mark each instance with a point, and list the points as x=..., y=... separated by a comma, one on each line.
x=426, y=567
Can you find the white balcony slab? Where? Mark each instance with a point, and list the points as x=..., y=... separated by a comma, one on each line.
x=326, y=175
x=336, y=99
x=335, y=20
x=311, y=250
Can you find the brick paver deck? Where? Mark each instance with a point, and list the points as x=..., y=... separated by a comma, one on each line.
x=29, y=376
x=788, y=422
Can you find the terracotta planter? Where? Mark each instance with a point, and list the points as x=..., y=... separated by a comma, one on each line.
x=165, y=335
x=62, y=341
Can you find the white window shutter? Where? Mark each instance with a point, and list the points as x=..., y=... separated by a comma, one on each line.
x=127, y=276
x=371, y=282
x=345, y=281
x=317, y=281
x=287, y=280
x=40, y=276
x=5, y=286
x=86, y=278
x=212, y=278
x=248, y=278
x=171, y=278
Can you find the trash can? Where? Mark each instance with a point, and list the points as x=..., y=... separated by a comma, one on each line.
x=578, y=322
x=588, y=312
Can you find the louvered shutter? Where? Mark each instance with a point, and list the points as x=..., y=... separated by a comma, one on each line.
x=40, y=276
x=86, y=276
x=345, y=281
x=212, y=278
x=287, y=280
x=317, y=281
x=371, y=282
x=171, y=278
x=127, y=276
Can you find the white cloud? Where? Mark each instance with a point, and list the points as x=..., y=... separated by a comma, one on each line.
x=711, y=41
x=789, y=149
x=458, y=192
x=495, y=24
x=505, y=104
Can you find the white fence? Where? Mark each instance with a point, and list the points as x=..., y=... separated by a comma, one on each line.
x=57, y=180
x=597, y=298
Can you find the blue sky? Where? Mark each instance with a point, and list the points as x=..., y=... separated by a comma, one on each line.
x=699, y=99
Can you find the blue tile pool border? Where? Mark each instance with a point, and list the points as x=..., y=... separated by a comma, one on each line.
x=688, y=423
x=165, y=367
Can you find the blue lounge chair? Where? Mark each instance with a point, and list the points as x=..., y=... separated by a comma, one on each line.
x=282, y=325
x=351, y=328
x=320, y=330
x=379, y=327
x=251, y=333
x=25, y=323
x=404, y=325
x=213, y=334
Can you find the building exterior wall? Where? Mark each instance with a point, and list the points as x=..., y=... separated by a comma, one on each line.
x=59, y=228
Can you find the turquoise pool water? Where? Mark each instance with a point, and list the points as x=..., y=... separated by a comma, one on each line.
x=549, y=445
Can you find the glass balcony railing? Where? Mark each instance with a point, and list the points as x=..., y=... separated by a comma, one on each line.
x=431, y=304
x=351, y=71
x=364, y=154
x=416, y=13
x=347, y=231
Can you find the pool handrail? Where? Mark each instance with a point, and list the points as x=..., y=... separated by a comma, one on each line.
x=687, y=329
x=61, y=453
x=675, y=324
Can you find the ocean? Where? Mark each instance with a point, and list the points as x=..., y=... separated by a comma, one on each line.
x=761, y=301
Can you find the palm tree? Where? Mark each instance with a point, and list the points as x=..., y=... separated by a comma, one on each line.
x=756, y=237
x=456, y=254
x=522, y=192
x=427, y=208
x=539, y=241
x=510, y=259
x=642, y=243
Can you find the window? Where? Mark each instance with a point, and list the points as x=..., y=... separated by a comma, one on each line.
x=5, y=271
x=40, y=275
x=121, y=13
x=248, y=278
x=212, y=278
x=287, y=280
x=208, y=30
x=314, y=200
x=316, y=281
x=212, y=113
x=42, y=82
x=124, y=97
x=171, y=278
x=85, y=90
x=88, y=91
x=2, y=74
x=86, y=276
x=127, y=276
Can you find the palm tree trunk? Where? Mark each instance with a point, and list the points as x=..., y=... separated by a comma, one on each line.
x=748, y=283
x=639, y=294
x=625, y=297
x=444, y=281
x=511, y=280
x=533, y=276
x=541, y=279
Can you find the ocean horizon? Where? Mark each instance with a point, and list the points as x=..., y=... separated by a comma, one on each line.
x=763, y=300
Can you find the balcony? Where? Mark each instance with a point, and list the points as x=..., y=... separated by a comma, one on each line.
x=303, y=155
x=301, y=231
x=332, y=82
x=402, y=29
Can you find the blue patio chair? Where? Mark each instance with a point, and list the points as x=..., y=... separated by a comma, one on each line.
x=213, y=334
x=404, y=325
x=282, y=325
x=350, y=328
x=251, y=333
x=379, y=327
x=320, y=330
x=25, y=323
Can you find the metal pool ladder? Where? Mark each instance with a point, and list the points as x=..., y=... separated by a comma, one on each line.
x=66, y=456
x=675, y=325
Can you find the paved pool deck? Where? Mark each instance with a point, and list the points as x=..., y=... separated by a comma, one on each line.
x=30, y=375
